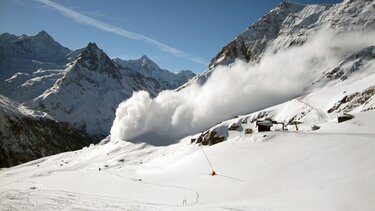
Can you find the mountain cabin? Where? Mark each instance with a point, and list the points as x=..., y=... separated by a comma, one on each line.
x=264, y=125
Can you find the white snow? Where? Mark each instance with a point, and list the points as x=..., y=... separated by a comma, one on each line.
x=321, y=170
x=11, y=108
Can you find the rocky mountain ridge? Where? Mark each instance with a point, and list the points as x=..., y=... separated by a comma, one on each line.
x=27, y=134
x=148, y=68
x=39, y=72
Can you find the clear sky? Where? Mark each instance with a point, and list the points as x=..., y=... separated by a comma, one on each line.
x=176, y=34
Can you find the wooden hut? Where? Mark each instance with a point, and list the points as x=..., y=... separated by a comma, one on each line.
x=264, y=125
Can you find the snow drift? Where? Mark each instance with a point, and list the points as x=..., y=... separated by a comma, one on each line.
x=232, y=90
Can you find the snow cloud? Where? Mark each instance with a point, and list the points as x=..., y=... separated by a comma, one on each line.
x=81, y=18
x=232, y=90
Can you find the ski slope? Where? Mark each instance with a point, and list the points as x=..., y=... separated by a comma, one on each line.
x=279, y=170
x=327, y=169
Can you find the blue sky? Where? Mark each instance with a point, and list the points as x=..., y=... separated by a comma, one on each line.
x=176, y=34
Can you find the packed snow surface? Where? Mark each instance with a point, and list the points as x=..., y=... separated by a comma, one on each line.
x=328, y=169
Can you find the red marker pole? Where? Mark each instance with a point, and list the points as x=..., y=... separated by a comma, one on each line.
x=213, y=172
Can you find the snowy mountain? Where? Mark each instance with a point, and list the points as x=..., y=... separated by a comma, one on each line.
x=27, y=135
x=26, y=54
x=291, y=24
x=39, y=72
x=90, y=90
x=148, y=68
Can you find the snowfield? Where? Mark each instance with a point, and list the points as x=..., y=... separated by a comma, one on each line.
x=328, y=169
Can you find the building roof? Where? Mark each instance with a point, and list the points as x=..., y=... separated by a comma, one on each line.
x=266, y=123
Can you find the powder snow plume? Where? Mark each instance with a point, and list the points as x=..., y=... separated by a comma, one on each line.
x=231, y=90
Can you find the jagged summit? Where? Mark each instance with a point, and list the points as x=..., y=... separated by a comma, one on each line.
x=147, y=63
x=43, y=34
x=6, y=37
x=93, y=58
x=30, y=53
x=92, y=45
x=289, y=5
x=286, y=4
x=143, y=63
x=149, y=68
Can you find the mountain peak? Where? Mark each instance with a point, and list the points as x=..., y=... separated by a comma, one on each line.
x=42, y=40
x=7, y=37
x=92, y=50
x=147, y=63
x=95, y=59
x=44, y=36
x=92, y=45
x=144, y=57
x=42, y=33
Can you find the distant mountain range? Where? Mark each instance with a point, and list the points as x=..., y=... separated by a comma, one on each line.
x=83, y=86
x=148, y=68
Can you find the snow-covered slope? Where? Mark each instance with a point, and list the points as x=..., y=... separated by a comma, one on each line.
x=22, y=87
x=148, y=68
x=90, y=90
x=326, y=169
x=28, y=134
x=28, y=53
x=292, y=24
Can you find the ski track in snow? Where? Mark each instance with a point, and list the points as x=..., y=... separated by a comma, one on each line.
x=320, y=111
x=161, y=185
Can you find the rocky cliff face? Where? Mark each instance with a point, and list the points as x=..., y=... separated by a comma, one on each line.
x=26, y=134
x=291, y=24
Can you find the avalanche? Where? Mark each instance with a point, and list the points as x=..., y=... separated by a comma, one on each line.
x=326, y=169
x=239, y=88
